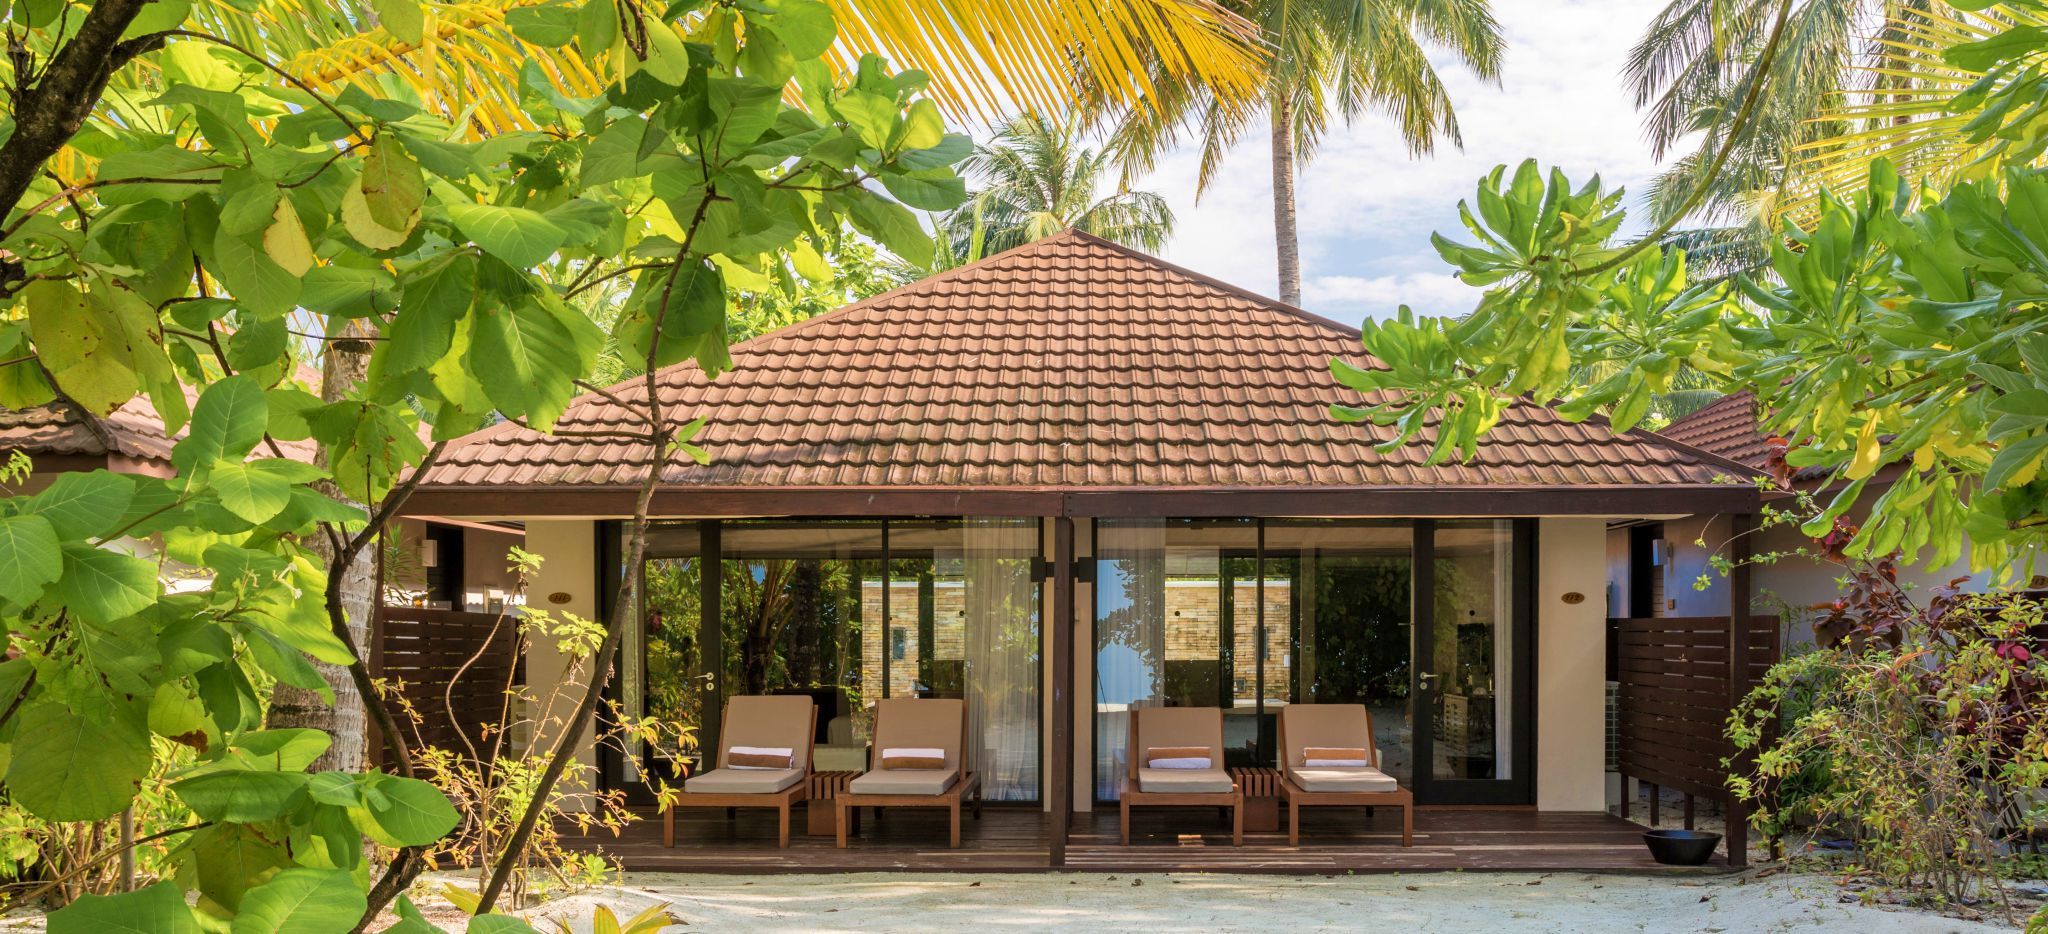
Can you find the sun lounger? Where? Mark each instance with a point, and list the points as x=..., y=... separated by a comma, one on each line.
x=1329, y=759
x=758, y=735
x=920, y=761
x=1175, y=758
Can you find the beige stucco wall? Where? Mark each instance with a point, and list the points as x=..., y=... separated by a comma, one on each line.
x=568, y=548
x=1571, y=698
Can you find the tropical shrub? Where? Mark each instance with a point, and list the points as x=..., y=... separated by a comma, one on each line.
x=1930, y=733
x=190, y=217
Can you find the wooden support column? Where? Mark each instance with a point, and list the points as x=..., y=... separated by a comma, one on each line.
x=1741, y=529
x=1060, y=787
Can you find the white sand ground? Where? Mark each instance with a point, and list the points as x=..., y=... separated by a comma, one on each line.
x=1562, y=902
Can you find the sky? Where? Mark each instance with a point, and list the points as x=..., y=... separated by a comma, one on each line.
x=1367, y=208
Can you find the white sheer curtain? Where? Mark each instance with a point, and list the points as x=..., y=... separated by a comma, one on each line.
x=1130, y=636
x=1002, y=678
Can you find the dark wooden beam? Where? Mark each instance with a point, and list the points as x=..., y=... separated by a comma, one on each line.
x=1060, y=786
x=1741, y=529
x=721, y=502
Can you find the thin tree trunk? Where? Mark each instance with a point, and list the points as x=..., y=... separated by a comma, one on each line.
x=342, y=367
x=1285, y=241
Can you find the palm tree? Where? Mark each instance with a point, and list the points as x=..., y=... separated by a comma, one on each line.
x=1330, y=58
x=1037, y=178
x=475, y=58
x=1697, y=62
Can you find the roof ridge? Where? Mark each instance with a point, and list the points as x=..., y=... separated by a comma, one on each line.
x=1209, y=280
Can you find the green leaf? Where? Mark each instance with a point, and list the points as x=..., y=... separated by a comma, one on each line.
x=227, y=424
x=597, y=26
x=103, y=585
x=70, y=767
x=286, y=750
x=154, y=909
x=499, y=924
x=312, y=901
x=239, y=796
x=805, y=26
x=519, y=236
x=87, y=346
x=28, y=558
x=402, y=18
x=410, y=921
x=894, y=227
x=526, y=355
x=256, y=281
x=548, y=25
x=922, y=127
x=941, y=191
x=228, y=859
x=254, y=494
x=405, y=811
x=393, y=186
x=615, y=153
x=83, y=505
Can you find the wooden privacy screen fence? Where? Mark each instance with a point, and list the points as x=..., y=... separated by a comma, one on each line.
x=420, y=650
x=1674, y=698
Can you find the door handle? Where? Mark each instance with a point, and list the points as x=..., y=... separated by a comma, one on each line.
x=1428, y=680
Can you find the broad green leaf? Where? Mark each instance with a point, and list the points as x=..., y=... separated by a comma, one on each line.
x=103, y=585
x=70, y=767
x=227, y=424
x=597, y=26
x=410, y=921
x=240, y=796
x=939, y=191
x=499, y=924
x=894, y=227
x=28, y=558
x=228, y=859
x=615, y=153
x=526, y=356
x=83, y=505
x=405, y=811
x=402, y=18
x=249, y=492
x=287, y=750
x=356, y=219
x=82, y=344
x=922, y=127
x=393, y=187
x=302, y=901
x=121, y=652
x=805, y=26
x=548, y=25
x=154, y=909
x=257, y=282
x=519, y=236
x=177, y=714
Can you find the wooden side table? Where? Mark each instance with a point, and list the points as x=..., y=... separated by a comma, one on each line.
x=1261, y=798
x=821, y=819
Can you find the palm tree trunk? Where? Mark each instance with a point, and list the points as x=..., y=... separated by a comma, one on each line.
x=346, y=720
x=1285, y=242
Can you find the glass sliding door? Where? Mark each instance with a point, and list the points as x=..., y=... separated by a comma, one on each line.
x=848, y=612
x=1423, y=622
x=1474, y=678
x=1347, y=632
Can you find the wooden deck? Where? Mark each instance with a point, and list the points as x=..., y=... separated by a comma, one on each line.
x=1011, y=839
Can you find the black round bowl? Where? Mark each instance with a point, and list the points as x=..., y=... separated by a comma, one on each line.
x=1681, y=847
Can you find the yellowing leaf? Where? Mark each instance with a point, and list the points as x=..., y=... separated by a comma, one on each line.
x=356, y=219
x=1869, y=454
x=284, y=241
x=392, y=185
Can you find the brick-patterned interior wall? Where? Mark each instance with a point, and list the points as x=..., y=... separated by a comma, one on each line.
x=1193, y=629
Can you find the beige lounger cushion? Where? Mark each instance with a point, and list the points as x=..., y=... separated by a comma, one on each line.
x=904, y=723
x=742, y=781
x=1178, y=728
x=1184, y=781
x=904, y=782
x=1341, y=780
x=772, y=721
x=1327, y=728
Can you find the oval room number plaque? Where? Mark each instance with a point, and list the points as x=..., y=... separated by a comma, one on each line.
x=1574, y=598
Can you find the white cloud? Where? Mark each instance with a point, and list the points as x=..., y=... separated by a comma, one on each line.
x=1367, y=207
x=1355, y=298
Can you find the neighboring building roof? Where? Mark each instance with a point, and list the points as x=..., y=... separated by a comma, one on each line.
x=1726, y=427
x=133, y=433
x=1067, y=364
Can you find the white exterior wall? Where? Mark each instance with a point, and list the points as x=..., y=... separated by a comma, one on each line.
x=568, y=548
x=1571, y=662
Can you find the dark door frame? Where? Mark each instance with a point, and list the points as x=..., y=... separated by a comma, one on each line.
x=1519, y=787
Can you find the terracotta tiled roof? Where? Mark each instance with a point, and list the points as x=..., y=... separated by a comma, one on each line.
x=133, y=430
x=1070, y=363
x=1726, y=427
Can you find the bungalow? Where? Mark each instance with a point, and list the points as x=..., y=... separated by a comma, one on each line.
x=1072, y=481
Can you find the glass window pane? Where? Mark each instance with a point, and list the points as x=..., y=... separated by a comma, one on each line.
x=1474, y=588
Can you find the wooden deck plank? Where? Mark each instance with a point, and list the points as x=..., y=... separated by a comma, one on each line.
x=1011, y=839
